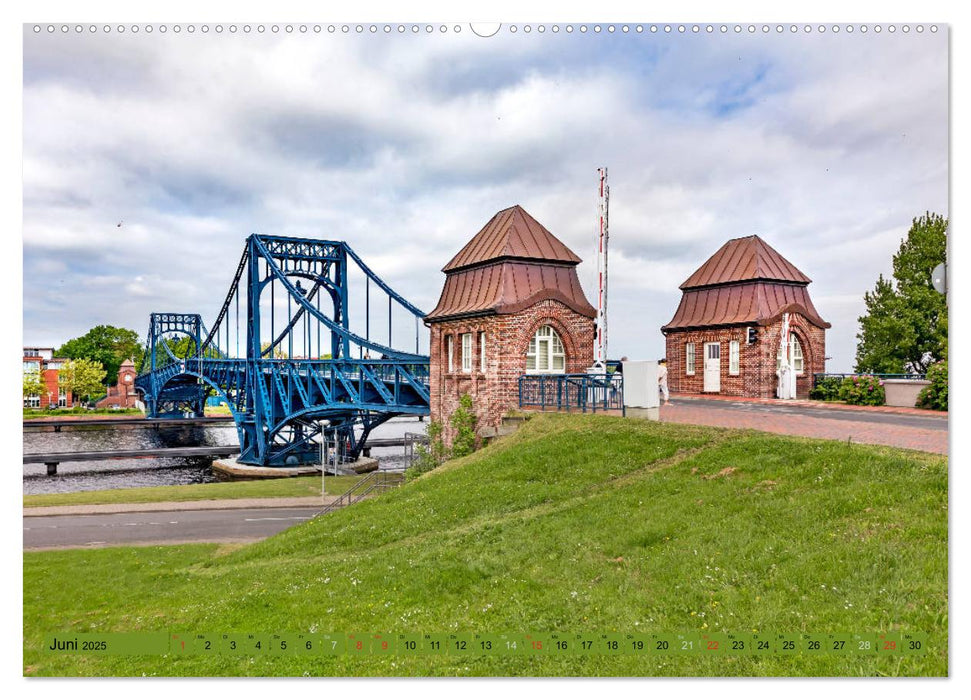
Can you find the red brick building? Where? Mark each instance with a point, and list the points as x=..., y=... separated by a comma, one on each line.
x=724, y=337
x=47, y=367
x=122, y=394
x=512, y=304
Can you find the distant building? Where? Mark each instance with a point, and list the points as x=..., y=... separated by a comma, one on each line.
x=122, y=394
x=512, y=304
x=43, y=362
x=725, y=336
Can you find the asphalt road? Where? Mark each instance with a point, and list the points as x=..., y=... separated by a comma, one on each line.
x=929, y=422
x=169, y=527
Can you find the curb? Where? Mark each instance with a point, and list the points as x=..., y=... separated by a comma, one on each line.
x=174, y=506
x=823, y=405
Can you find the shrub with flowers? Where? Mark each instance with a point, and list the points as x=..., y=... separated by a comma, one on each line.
x=934, y=396
x=862, y=390
x=826, y=389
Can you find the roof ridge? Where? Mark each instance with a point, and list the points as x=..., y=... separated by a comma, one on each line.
x=512, y=233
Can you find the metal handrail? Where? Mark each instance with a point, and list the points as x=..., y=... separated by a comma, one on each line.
x=836, y=375
x=583, y=392
x=374, y=480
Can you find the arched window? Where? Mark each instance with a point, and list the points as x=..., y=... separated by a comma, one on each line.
x=545, y=353
x=795, y=351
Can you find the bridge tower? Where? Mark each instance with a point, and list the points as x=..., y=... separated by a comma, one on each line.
x=183, y=395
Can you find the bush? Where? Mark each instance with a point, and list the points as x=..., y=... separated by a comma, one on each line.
x=465, y=441
x=463, y=423
x=934, y=396
x=827, y=389
x=862, y=390
x=429, y=456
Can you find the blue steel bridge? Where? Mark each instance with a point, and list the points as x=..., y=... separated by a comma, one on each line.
x=283, y=356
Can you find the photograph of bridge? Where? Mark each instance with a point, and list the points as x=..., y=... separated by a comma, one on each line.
x=317, y=360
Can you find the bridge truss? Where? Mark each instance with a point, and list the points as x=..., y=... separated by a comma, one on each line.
x=283, y=356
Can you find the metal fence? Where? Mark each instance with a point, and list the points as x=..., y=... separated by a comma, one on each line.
x=572, y=392
x=817, y=378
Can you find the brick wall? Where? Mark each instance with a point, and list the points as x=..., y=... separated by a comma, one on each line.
x=496, y=391
x=757, y=375
x=51, y=389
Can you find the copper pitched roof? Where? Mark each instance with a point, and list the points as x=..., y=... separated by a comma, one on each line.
x=512, y=263
x=506, y=287
x=755, y=303
x=742, y=259
x=512, y=233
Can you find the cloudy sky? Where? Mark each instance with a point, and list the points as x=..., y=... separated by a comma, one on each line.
x=405, y=145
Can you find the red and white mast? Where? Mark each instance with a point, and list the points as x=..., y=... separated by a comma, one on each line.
x=600, y=342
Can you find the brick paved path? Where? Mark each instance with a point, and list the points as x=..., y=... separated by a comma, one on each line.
x=928, y=434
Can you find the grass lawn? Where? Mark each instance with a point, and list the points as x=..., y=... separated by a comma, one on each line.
x=575, y=524
x=267, y=488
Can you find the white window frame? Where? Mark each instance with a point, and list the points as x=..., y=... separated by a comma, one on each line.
x=689, y=358
x=450, y=352
x=798, y=363
x=734, y=360
x=546, y=353
x=467, y=353
x=482, y=352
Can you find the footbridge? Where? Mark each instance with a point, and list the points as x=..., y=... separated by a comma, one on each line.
x=286, y=358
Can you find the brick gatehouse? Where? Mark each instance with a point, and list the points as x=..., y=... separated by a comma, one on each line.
x=512, y=304
x=724, y=337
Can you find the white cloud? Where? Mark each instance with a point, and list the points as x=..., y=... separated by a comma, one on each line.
x=405, y=146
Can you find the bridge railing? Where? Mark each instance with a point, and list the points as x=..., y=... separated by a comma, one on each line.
x=572, y=392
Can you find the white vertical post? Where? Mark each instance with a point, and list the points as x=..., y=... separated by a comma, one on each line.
x=786, y=374
x=600, y=343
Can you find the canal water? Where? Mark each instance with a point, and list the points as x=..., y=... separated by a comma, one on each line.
x=130, y=473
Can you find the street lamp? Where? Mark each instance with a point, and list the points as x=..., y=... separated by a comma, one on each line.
x=323, y=458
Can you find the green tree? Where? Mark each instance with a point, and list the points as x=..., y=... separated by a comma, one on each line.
x=82, y=377
x=33, y=386
x=278, y=352
x=105, y=344
x=905, y=326
x=181, y=346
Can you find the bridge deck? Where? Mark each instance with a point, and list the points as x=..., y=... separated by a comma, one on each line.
x=98, y=455
x=59, y=425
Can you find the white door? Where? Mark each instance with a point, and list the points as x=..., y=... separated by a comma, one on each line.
x=713, y=373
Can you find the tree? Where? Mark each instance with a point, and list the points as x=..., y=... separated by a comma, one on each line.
x=181, y=346
x=105, y=344
x=33, y=386
x=278, y=352
x=82, y=377
x=905, y=327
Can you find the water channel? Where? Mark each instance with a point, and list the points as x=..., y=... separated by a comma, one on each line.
x=130, y=473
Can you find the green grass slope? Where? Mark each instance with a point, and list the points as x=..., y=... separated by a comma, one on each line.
x=575, y=523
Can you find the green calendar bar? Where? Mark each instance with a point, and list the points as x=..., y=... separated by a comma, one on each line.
x=479, y=644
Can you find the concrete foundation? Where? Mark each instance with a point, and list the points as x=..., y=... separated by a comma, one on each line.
x=232, y=470
x=644, y=413
x=903, y=392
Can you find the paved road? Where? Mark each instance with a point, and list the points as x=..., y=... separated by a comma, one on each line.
x=173, y=527
x=927, y=433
